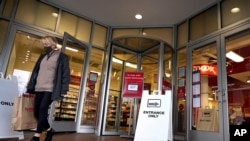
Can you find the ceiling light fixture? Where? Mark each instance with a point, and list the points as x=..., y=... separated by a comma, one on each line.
x=116, y=60
x=167, y=75
x=234, y=56
x=54, y=15
x=131, y=65
x=138, y=16
x=68, y=48
x=235, y=10
x=126, y=64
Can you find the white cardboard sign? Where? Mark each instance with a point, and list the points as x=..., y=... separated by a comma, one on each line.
x=155, y=118
x=8, y=92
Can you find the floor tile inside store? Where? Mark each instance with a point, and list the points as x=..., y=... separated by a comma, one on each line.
x=73, y=137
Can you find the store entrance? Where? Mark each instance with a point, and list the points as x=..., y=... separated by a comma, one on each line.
x=133, y=54
x=63, y=115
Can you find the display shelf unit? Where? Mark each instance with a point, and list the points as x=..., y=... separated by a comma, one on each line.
x=125, y=111
x=65, y=109
x=90, y=106
x=112, y=111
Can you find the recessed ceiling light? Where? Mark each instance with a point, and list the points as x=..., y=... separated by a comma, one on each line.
x=138, y=16
x=235, y=10
x=55, y=15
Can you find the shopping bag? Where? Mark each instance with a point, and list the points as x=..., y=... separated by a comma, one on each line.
x=23, y=113
x=208, y=120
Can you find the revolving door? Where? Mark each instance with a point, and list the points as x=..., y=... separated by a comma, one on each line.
x=132, y=54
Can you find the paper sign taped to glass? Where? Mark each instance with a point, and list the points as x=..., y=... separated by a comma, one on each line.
x=133, y=84
x=207, y=120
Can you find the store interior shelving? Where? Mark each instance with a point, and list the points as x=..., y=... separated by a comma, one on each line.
x=65, y=109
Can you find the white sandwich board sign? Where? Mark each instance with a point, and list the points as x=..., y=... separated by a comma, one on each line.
x=8, y=92
x=155, y=117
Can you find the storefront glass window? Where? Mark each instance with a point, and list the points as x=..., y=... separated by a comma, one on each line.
x=238, y=78
x=92, y=88
x=182, y=36
x=125, y=32
x=99, y=35
x=83, y=30
x=204, y=23
x=165, y=34
x=25, y=51
x=233, y=11
x=8, y=8
x=37, y=13
x=68, y=23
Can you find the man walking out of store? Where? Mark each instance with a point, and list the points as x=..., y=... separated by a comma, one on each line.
x=49, y=82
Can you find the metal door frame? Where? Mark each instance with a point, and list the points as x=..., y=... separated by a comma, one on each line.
x=74, y=125
x=195, y=135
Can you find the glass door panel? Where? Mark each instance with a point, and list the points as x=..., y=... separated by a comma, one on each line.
x=25, y=52
x=205, y=88
x=150, y=68
x=114, y=95
x=118, y=112
x=65, y=112
x=205, y=93
x=238, y=78
x=128, y=104
x=92, y=88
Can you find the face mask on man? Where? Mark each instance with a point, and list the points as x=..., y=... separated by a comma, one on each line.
x=48, y=49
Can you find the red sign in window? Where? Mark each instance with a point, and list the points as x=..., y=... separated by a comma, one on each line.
x=133, y=84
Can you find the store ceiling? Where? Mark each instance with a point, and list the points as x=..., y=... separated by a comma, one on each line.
x=121, y=12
